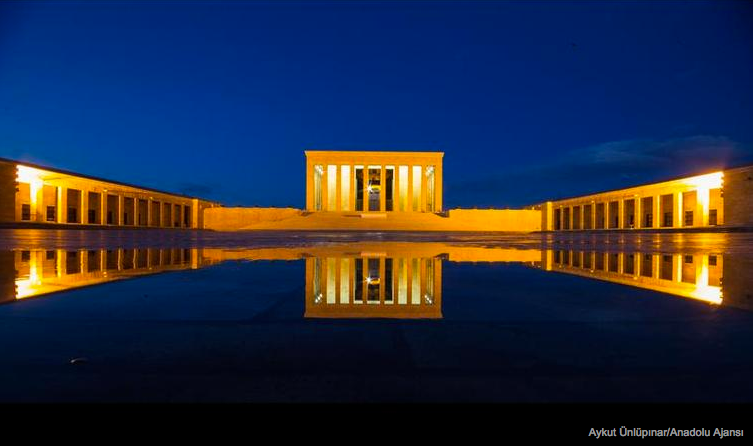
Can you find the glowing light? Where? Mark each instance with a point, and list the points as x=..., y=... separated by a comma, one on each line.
x=708, y=181
x=25, y=174
x=29, y=287
x=33, y=177
x=703, y=291
x=710, y=294
x=703, y=183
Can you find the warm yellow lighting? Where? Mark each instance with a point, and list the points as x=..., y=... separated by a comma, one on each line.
x=25, y=174
x=703, y=183
x=33, y=177
x=710, y=294
x=30, y=286
x=703, y=291
x=708, y=181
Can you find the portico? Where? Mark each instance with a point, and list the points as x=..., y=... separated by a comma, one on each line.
x=374, y=181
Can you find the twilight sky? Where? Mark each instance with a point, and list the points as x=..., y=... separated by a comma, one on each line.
x=529, y=101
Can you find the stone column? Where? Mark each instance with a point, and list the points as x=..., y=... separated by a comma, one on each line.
x=121, y=211
x=702, y=206
x=353, y=190
x=409, y=198
x=36, y=188
x=383, y=188
x=325, y=191
x=309, y=186
x=62, y=204
x=396, y=189
x=103, y=207
x=338, y=188
x=365, y=194
x=195, y=224
x=84, y=199
x=422, y=199
x=438, y=188
x=677, y=209
x=638, y=210
x=621, y=213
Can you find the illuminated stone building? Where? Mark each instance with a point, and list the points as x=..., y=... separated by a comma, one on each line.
x=42, y=195
x=723, y=198
x=387, y=190
x=374, y=181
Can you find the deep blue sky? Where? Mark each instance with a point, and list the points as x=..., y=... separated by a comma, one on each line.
x=528, y=101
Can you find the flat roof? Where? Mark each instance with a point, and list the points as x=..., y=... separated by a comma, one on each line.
x=90, y=177
x=372, y=152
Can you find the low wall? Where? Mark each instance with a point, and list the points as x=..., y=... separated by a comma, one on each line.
x=504, y=220
x=511, y=220
x=229, y=219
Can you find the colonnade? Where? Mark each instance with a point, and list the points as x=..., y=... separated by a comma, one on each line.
x=691, y=202
x=48, y=197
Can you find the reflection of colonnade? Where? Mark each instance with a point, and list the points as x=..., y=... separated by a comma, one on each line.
x=388, y=279
x=696, y=276
x=29, y=273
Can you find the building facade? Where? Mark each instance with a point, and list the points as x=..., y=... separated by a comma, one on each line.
x=41, y=195
x=714, y=199
x=373, y=181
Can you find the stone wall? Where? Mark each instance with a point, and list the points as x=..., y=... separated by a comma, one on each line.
x=229, y=219
x=508, y=220
x=505, y=220
x=738, y=197
x=736, y=287
x=7, y=192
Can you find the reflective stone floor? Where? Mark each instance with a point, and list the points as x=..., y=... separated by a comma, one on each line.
x=183, y=316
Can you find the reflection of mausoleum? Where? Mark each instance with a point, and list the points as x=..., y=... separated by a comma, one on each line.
x=374, y=181
x=372, y=285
